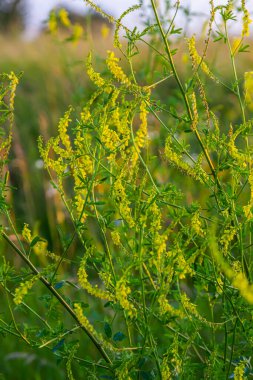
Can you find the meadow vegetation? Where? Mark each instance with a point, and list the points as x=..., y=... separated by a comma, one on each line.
x=127, y=201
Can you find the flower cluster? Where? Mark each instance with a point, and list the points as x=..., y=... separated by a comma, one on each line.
x=116, y=70
x=85, y=284
x=197, y=60
x=239, y=371
x=22, y=290
x=26, y=233
x=83, y=320
x=123, y=202
x=248, y=89
x=122, y=291
x=94, y=76
x=176, y=160
x=246, y=20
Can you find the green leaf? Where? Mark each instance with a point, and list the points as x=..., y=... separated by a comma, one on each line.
x=107, y=330
x=35, y=240
x=119, y=336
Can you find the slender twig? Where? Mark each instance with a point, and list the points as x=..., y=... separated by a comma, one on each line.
x=67, y=307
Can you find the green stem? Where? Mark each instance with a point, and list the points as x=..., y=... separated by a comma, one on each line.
x=58, y=297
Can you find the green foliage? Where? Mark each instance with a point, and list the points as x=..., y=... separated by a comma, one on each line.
x=154, y=273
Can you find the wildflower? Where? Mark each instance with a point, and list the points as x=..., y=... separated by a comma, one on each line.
x=165, y=369
x=123, y=202
x=105, y=30
x=83, y=320
x=94, y=77
x=236, y=45
x=52, y=23
x=196, y=59
x=176, y=160
x=122, y=372
x=110, y=138
x=26, y=233
x=248, y=89
x=246, y=20
x=122, y=292
x=115, y=69
x=115, y=237
x=248, y=208
x=63, y=130
x=22, y=291
x=196, y=224
x=141, y=134
x=13, y=86
x=239, y=371
x=85, y=284
x=239, y=280
x=195, y=112
x=77, y=32
x=40, y=248
x=227, y=237
x=64, y=17
x=166, y=308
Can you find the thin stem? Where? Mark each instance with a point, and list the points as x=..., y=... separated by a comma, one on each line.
x=58, y=297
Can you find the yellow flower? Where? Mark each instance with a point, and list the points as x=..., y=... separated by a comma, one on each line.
x=93, y=290
x=123, y=202
x=115, y=69
x=115, y=237
x=64, y=17
x=122, y=292
x=239, y=371
x=246, y=20
x=13, y=86
x=196, y=224
x=248, y=89
x=94, y=77
x=105, y=30
x=195, y=112
x=63, y=130
x=82, y=319
x=236, y=44
x=52, y=23
x=196, y=59
x=165, y=369
x=22, y=290
x=26, y=233
x=166, y=308
x=227, y=237
x=40, y=248
x=77, y=32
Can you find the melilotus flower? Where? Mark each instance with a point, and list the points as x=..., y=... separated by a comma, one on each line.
x=52, y=23
x=26, y=233
x=197, y=225
x=239, y=371
x=115, y=69
x=115, y=237
x=196, y=59
x=195, y=111
x=64, y=17
x=94, y=76
x=93, y=290
x=248, y=89
x=122, y=291
x=246, y=20
x=176, y=159
x=82, y=319
x=165, y=369
x=22, y=290
x=123, y=202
